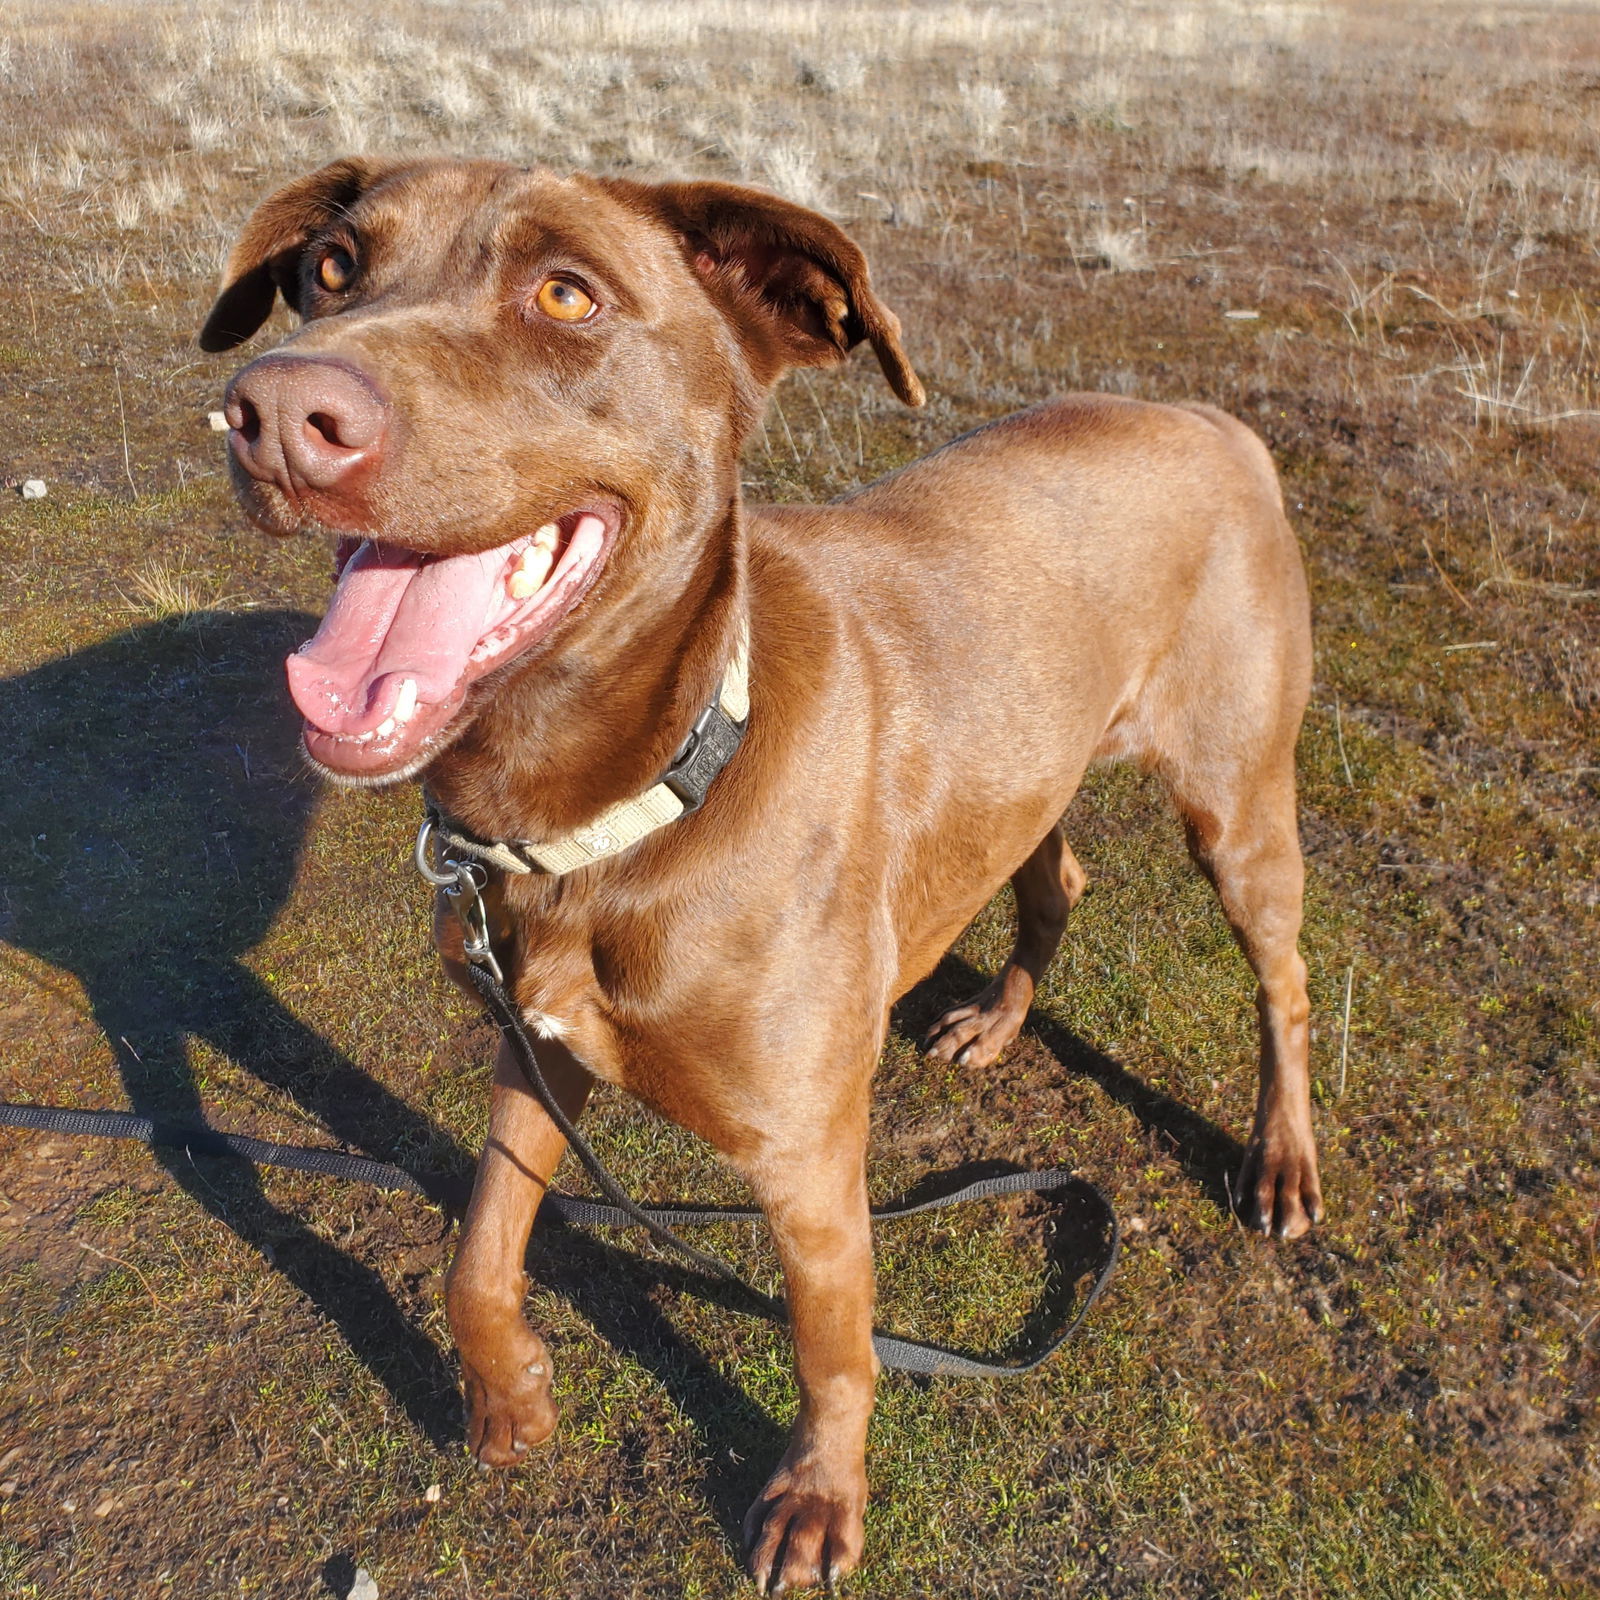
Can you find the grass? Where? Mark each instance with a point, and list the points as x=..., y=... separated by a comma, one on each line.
x=212, y=1382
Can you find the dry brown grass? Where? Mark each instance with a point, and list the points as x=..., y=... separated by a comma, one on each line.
x=209, y=1385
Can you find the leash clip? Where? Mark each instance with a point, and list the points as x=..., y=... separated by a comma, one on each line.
x=463, y=883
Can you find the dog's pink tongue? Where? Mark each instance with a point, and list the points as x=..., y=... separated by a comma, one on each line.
x=393, y=617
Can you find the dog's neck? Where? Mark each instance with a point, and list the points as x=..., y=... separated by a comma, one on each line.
x=567, y=734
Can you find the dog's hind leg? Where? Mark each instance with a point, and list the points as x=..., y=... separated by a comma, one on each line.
x=1048, y=885
x=505, y=1366
x=1242, y=834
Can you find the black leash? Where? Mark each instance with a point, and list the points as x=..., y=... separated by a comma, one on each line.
x=209, y=1142
x=896, y=1354
x=462, y=882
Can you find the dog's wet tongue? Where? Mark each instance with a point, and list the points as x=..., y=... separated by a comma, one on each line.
x=395, y=615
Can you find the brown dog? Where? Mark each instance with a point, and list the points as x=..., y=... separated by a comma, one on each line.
x=519, y=398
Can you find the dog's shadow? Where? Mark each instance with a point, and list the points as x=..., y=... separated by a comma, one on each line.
x=154, y=808
x=1208, y=1155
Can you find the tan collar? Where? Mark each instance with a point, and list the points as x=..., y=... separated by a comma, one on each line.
x=681, y=789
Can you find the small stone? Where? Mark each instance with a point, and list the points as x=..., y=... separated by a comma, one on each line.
x=8, y=1488
x=34, y=489
x=105, y=1505
x=218, y=421
x=431, y=1494
x=365, y=1586
x=1242, y=316
x=69, y=1505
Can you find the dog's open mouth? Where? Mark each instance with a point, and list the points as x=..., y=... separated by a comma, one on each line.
x=408, y=633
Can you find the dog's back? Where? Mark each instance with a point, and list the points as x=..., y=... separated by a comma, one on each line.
x=1032, y=594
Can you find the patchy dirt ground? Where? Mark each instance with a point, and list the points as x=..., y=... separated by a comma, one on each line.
x=1382, y=253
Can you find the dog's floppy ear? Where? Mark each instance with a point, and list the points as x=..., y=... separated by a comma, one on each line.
x=796, y=285
x=267, y=256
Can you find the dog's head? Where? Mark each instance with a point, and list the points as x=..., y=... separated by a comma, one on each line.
x=518, y=399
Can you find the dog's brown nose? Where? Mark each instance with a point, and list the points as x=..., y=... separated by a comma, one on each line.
x=305, y=424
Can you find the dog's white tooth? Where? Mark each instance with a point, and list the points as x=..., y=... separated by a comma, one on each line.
x=406, y=705
x=384, y=728
x=547, y=537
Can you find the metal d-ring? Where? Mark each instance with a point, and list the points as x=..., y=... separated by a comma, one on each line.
x=424, y=858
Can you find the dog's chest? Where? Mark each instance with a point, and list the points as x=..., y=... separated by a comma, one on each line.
x=664, y=1030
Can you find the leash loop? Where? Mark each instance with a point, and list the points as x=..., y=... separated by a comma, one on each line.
x=894, y=1353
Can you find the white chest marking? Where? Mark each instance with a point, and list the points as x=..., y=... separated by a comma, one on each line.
x=546, y=1026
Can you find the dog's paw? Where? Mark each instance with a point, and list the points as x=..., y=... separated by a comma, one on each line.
x=804, y=1531
x=509, y=1407
x=1278, y=1190
x=973, y=1035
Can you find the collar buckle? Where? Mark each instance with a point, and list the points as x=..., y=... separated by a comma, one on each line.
x=710, y=746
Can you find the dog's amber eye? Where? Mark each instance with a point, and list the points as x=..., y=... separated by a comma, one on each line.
x=564, y=300
x=335, y=270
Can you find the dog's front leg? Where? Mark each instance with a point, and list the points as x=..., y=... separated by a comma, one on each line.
x=806, y=1527
x=505, y=1367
